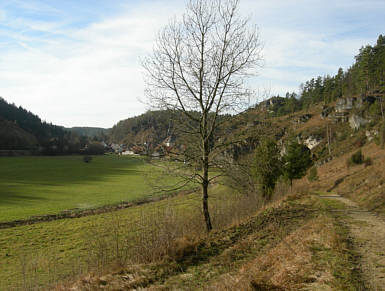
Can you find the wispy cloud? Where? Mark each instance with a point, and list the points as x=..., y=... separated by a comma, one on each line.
x=85, y=76
x=78, y=62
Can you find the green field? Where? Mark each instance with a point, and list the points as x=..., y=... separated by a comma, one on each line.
x=64, y=245
x=31, y=186
x=49, y=252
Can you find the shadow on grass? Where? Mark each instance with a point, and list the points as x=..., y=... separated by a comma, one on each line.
x=14, y=198
x=21, y=175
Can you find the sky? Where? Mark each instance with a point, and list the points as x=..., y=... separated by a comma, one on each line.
x=78, y=62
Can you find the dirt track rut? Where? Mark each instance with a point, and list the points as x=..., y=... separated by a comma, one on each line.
x=368, y=231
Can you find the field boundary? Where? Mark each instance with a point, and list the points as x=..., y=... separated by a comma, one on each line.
x=77, y=213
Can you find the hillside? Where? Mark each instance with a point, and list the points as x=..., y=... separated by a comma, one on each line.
x=97, y=132
x=28, y=121
x=12, y=137
x=24, y=133
x=355, y=95
x=151, y=132
x=151, y=127
x=23, y=130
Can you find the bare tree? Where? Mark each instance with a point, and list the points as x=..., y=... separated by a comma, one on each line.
x=197, y=68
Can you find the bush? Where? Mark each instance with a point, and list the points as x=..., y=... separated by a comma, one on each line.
x=356, y=159
x=87, y=159
x=375, y=109
x=313, y=175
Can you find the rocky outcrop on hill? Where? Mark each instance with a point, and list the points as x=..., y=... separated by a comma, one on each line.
x=346, y=110
x=276, y=100
x=345, y=104
x=312, y=141
x=326, y=110
x=356, y=121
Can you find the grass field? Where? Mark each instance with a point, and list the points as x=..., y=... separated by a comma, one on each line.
x=32, y=186
x=58, y=246
x=48, y=252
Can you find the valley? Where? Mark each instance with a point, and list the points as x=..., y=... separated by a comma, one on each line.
x=202, y=153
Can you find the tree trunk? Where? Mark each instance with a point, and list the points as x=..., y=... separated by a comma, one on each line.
x=205, y=207
x=205, y=185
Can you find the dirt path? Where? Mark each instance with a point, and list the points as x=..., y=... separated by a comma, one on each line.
x=368, y=231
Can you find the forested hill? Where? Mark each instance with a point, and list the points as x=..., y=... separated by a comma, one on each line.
x=20, y=129
x=90, y=131
x=12, y=137
x=365, y=78
x=28, y=121
x=150, y=127
x=23, y=130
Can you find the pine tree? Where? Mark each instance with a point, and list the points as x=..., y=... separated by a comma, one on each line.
x=267, y=166
x=296, y=161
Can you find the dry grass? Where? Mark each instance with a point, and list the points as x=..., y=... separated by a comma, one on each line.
x=191, y=260
x=317, y=256
x=283, y=247
x=160, y=236
x=363, y=184
x=314, y=122
x=288, y=266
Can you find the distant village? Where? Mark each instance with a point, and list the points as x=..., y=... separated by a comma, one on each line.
x=145, y=149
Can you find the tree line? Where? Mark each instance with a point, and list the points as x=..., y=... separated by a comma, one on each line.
x=23, y=130
x=151, y=127
x=29, y=121
x=364, y=78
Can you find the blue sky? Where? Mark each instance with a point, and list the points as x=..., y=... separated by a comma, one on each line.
x=77, y=63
